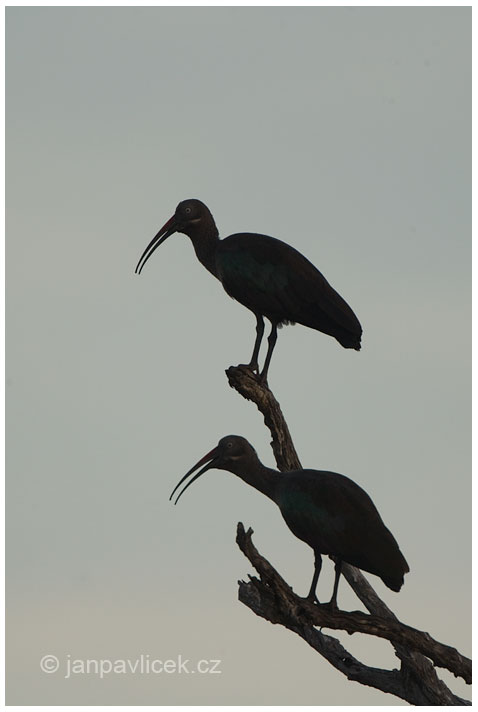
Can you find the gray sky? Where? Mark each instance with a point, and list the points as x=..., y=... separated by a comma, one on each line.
x=343, y=131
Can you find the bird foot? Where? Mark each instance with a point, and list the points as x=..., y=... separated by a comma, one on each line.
x=248, y=368
x=253, y=371
x=312, y=598
x=330, y=606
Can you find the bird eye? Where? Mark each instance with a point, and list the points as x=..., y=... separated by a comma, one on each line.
x=187, y=210
x=229, y=445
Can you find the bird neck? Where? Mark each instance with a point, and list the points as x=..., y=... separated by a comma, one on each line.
x=260, y=477
x=205, y=240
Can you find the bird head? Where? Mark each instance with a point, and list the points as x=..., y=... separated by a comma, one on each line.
x=232, y=453
x=189, y=215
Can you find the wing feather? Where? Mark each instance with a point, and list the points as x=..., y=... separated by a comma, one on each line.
x=267, y=274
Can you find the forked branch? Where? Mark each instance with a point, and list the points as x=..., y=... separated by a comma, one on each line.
x=272, y=598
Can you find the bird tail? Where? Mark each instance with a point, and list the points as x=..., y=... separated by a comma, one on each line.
x=350, y=340
x=396, y=582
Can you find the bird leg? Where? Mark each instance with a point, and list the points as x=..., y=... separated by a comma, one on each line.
x=254, y=364
x=312, y=596
x=272, y=338
x=338, y=570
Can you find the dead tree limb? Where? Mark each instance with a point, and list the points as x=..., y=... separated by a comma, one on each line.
x=245, y=383
x=272, y=598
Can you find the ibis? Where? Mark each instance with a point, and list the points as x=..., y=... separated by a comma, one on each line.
x=326, y=510
x=267, y=276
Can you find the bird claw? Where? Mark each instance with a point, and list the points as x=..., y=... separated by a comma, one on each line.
x=331, y=606
x=313, y=599
x=253, y=372
x=246, y=367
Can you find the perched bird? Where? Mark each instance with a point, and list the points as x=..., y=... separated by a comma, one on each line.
x=328, y=511
x=267, y=276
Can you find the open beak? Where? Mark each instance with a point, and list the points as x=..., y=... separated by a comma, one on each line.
x=211, y=459
x=168, y=229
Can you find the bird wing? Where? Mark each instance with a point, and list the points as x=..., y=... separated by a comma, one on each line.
x=336, y=516
x=251, y=273
x=291, y=286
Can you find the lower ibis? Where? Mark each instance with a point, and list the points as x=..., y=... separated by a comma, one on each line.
x=267, y=276
x=330, y=512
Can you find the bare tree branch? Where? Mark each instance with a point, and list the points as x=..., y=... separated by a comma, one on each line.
x=355, y=622
x=272, y=598
x=245, y=383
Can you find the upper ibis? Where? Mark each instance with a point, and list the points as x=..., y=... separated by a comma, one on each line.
x=267, y=276
x=328, y=511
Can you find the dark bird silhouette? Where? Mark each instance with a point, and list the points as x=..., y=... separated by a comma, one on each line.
x=328, y=511
x=267, y=276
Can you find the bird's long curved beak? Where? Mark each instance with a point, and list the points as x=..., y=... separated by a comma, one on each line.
x=211, y=459
x=168, y=229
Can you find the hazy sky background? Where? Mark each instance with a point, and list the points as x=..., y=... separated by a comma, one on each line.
x=345, y=132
